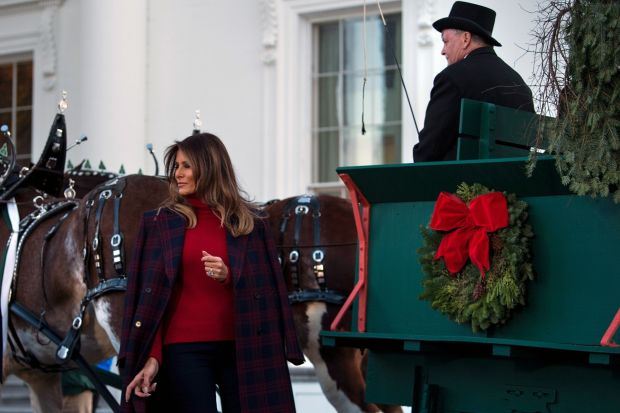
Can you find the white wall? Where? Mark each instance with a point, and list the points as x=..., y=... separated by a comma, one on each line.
x=206, y=55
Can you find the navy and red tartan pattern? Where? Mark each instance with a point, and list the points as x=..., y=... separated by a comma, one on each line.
x=264, y=330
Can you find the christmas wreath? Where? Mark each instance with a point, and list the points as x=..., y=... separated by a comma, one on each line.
x=476, y=255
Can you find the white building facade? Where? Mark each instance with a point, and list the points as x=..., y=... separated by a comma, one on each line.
x=280, y=81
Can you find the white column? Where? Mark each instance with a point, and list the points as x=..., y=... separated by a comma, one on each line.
x=294, y=97
x=269, y=17
x=112, y=91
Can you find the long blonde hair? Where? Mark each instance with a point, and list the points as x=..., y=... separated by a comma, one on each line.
x=216, y=183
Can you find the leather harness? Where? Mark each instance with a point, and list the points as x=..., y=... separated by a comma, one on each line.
x=111, y=189
x=300, y=207
x=26, y=227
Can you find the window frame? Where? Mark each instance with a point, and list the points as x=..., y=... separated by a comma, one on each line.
x=292, y=139
x=341, y=74
x=14, y=60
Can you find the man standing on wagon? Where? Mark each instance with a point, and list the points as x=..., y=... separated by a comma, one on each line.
x=474, y=71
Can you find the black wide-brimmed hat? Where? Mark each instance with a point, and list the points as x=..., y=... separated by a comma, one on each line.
x=470, y=18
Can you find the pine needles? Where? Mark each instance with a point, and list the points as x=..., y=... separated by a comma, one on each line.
x=578, y=67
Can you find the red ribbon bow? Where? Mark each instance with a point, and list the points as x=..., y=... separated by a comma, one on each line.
x=469, y=227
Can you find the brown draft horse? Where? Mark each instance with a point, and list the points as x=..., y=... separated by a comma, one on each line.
x=54, y=286
x=50, y=282
x=305, y=227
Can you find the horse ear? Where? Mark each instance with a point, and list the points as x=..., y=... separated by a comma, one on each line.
x=47, y=173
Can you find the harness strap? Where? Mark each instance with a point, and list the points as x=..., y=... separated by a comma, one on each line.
x=286, y=215
x=293, y=259
x=119, y=283
x=316, y=216
x=85, y=250
x=317, y=255
x=96, y=245
x=71, y=340
x=116, y=241
x=31, y=222
x=104, y=287
x=26, y=358
x=15, y=341
x=27, y=227
x=115, y=185
x=328, y=296
x=301, y=209
x=54, y=228
x=302, y=205
x=27, y=316
x=325, y=245
x=295, y=256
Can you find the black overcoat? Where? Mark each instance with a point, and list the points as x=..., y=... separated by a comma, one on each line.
x=264, y=330
x=483, y=76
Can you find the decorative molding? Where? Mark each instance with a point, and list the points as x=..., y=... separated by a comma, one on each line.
x=316, y=7
x=48, y=42
x=269, y=19
x=425, y=23
x=19, y=42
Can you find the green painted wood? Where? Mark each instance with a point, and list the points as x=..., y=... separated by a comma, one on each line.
x=487, y=132
x=423, y=181
x=467, y=148
x=574, y=250
x=596, y=358
x=492, y=131
x=517, y=127
x=399, y=388
x=469, y=120
x=572, y=299
x=505, y=351
x=415, y=342
x=491, y=385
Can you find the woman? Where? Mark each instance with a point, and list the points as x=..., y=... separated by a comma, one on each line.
x=206, y=304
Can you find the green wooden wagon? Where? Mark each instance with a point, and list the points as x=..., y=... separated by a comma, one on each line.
x=555, y=354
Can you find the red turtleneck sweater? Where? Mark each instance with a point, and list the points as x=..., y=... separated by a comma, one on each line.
x=201, y=308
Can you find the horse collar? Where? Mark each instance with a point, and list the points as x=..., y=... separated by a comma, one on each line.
x=302, y=206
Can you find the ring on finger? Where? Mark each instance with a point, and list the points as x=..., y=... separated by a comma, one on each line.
x=210, y=272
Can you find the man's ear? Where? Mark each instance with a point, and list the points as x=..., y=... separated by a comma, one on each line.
x=466, y=39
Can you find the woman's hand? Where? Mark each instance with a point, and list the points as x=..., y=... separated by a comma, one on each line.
x=214, y=267
x=142, y=385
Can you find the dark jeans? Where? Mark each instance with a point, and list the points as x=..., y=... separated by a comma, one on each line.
x=190, y=373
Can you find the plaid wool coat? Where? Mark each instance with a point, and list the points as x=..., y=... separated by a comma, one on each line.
x=264, y=330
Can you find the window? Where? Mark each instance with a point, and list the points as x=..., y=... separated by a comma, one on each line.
x=338, y=73
x=16, y=104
